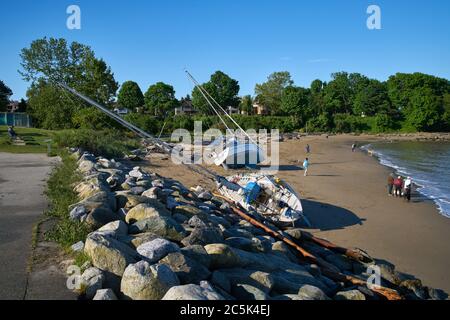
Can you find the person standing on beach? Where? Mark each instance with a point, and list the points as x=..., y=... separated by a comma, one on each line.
x=390, y=182
x=407, y=188
x=353, y=147
x=305, y=166
x=398, y=184
x=307, y=149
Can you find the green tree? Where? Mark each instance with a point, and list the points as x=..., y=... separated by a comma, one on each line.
x=270, y=92
x=316, y=101
x=5, y=93
x=295, y=102
x=49, y=61
x=246, y=104
x=130, y=96
x=424, y=110
x=372, y=99
x=222, y=88
x=160, y=98
x=340, y=91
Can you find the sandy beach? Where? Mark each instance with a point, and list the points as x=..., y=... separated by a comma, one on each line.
x=345, y=198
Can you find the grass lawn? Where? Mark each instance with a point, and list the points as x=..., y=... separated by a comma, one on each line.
x=34, y=138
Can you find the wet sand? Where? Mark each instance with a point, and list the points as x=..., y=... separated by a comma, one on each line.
x=345, y=198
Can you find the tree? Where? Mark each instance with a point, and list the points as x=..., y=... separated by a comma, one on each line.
x=424, y=110
x=22, y=106
x=5, y=93
x=339, y=93
x=222, y=88
x=372, y=99
x=160, y=98
x=49, y=61
x=130, y=96
x=402, y=86
x=270, y=92
x=316, y=101
x=295, y=102
x=246, y=104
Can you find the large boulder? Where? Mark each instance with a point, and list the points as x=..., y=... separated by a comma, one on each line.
x=187, y=269
x=192, y=292
x=137, y=239
x=197, y=253
x=93, y=280
x=109, y=254
x=142, y=281
x=105, y=294
x=282, y=249
x=101, y=216
x=156, y=249
x=222, y=256
x=308, y=292
x=188, y=211
x=116, y=229
x=146, y=210
x=350, y=295
x=163, y=226
x=248, y=292
x=91, y=185
x=203, y=236
x=259, y=279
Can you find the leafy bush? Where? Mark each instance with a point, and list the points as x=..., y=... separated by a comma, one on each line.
x=345, y=123
x=107, y=143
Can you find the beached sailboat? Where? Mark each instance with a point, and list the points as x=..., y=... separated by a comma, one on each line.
x=266, y=195
x=233, y=151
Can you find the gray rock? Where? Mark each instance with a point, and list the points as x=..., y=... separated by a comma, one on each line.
x=294, y=233
x=197, y=253
x=109, y=254
x=437, y=294
x=76, y=247
x=77, y=212
x=350, y=295
x=137, y=190
x=340, y=262
x=222, y=256
x=416, y=287
x=152, y=193
x=248, y=292
x=188, y=211
x=152, y=208
x=156, y=249
x=93, y=279
x=192, y=292
x=259, y=279
x=101, y=216
x=237, y=232
x=180, y=218
x=142, y=281
x=196, y=222
x=203, y=236
x=187, y=269
x=105, y=294
x=137, y=239
x=163, y=226
x=118, y=227
x=220, y=279
x=309, y=292
x=283, y=250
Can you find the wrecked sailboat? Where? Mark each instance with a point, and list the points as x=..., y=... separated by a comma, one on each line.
x=266, y=195
x=235, y=151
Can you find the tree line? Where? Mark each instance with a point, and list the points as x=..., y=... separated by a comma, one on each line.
x=348, y=102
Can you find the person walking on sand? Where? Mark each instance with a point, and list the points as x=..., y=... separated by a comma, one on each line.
x=353, y=147
x=305, y=166
x=407, y=188
x=307, y=149
x=390, y=183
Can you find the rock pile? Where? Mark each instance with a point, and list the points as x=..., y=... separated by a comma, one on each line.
x=153, y=238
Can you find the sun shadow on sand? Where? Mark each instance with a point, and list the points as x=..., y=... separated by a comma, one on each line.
x=326, y=217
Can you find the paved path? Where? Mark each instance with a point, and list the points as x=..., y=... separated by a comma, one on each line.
x=22, y=181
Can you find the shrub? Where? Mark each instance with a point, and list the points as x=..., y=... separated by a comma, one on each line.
x=107, y=143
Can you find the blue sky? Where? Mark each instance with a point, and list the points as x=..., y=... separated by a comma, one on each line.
x=150, y=41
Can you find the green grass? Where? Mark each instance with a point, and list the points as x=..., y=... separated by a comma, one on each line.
x=61, y=195
x=34, y=138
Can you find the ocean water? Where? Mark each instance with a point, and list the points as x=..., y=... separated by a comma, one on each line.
x=427, y=163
